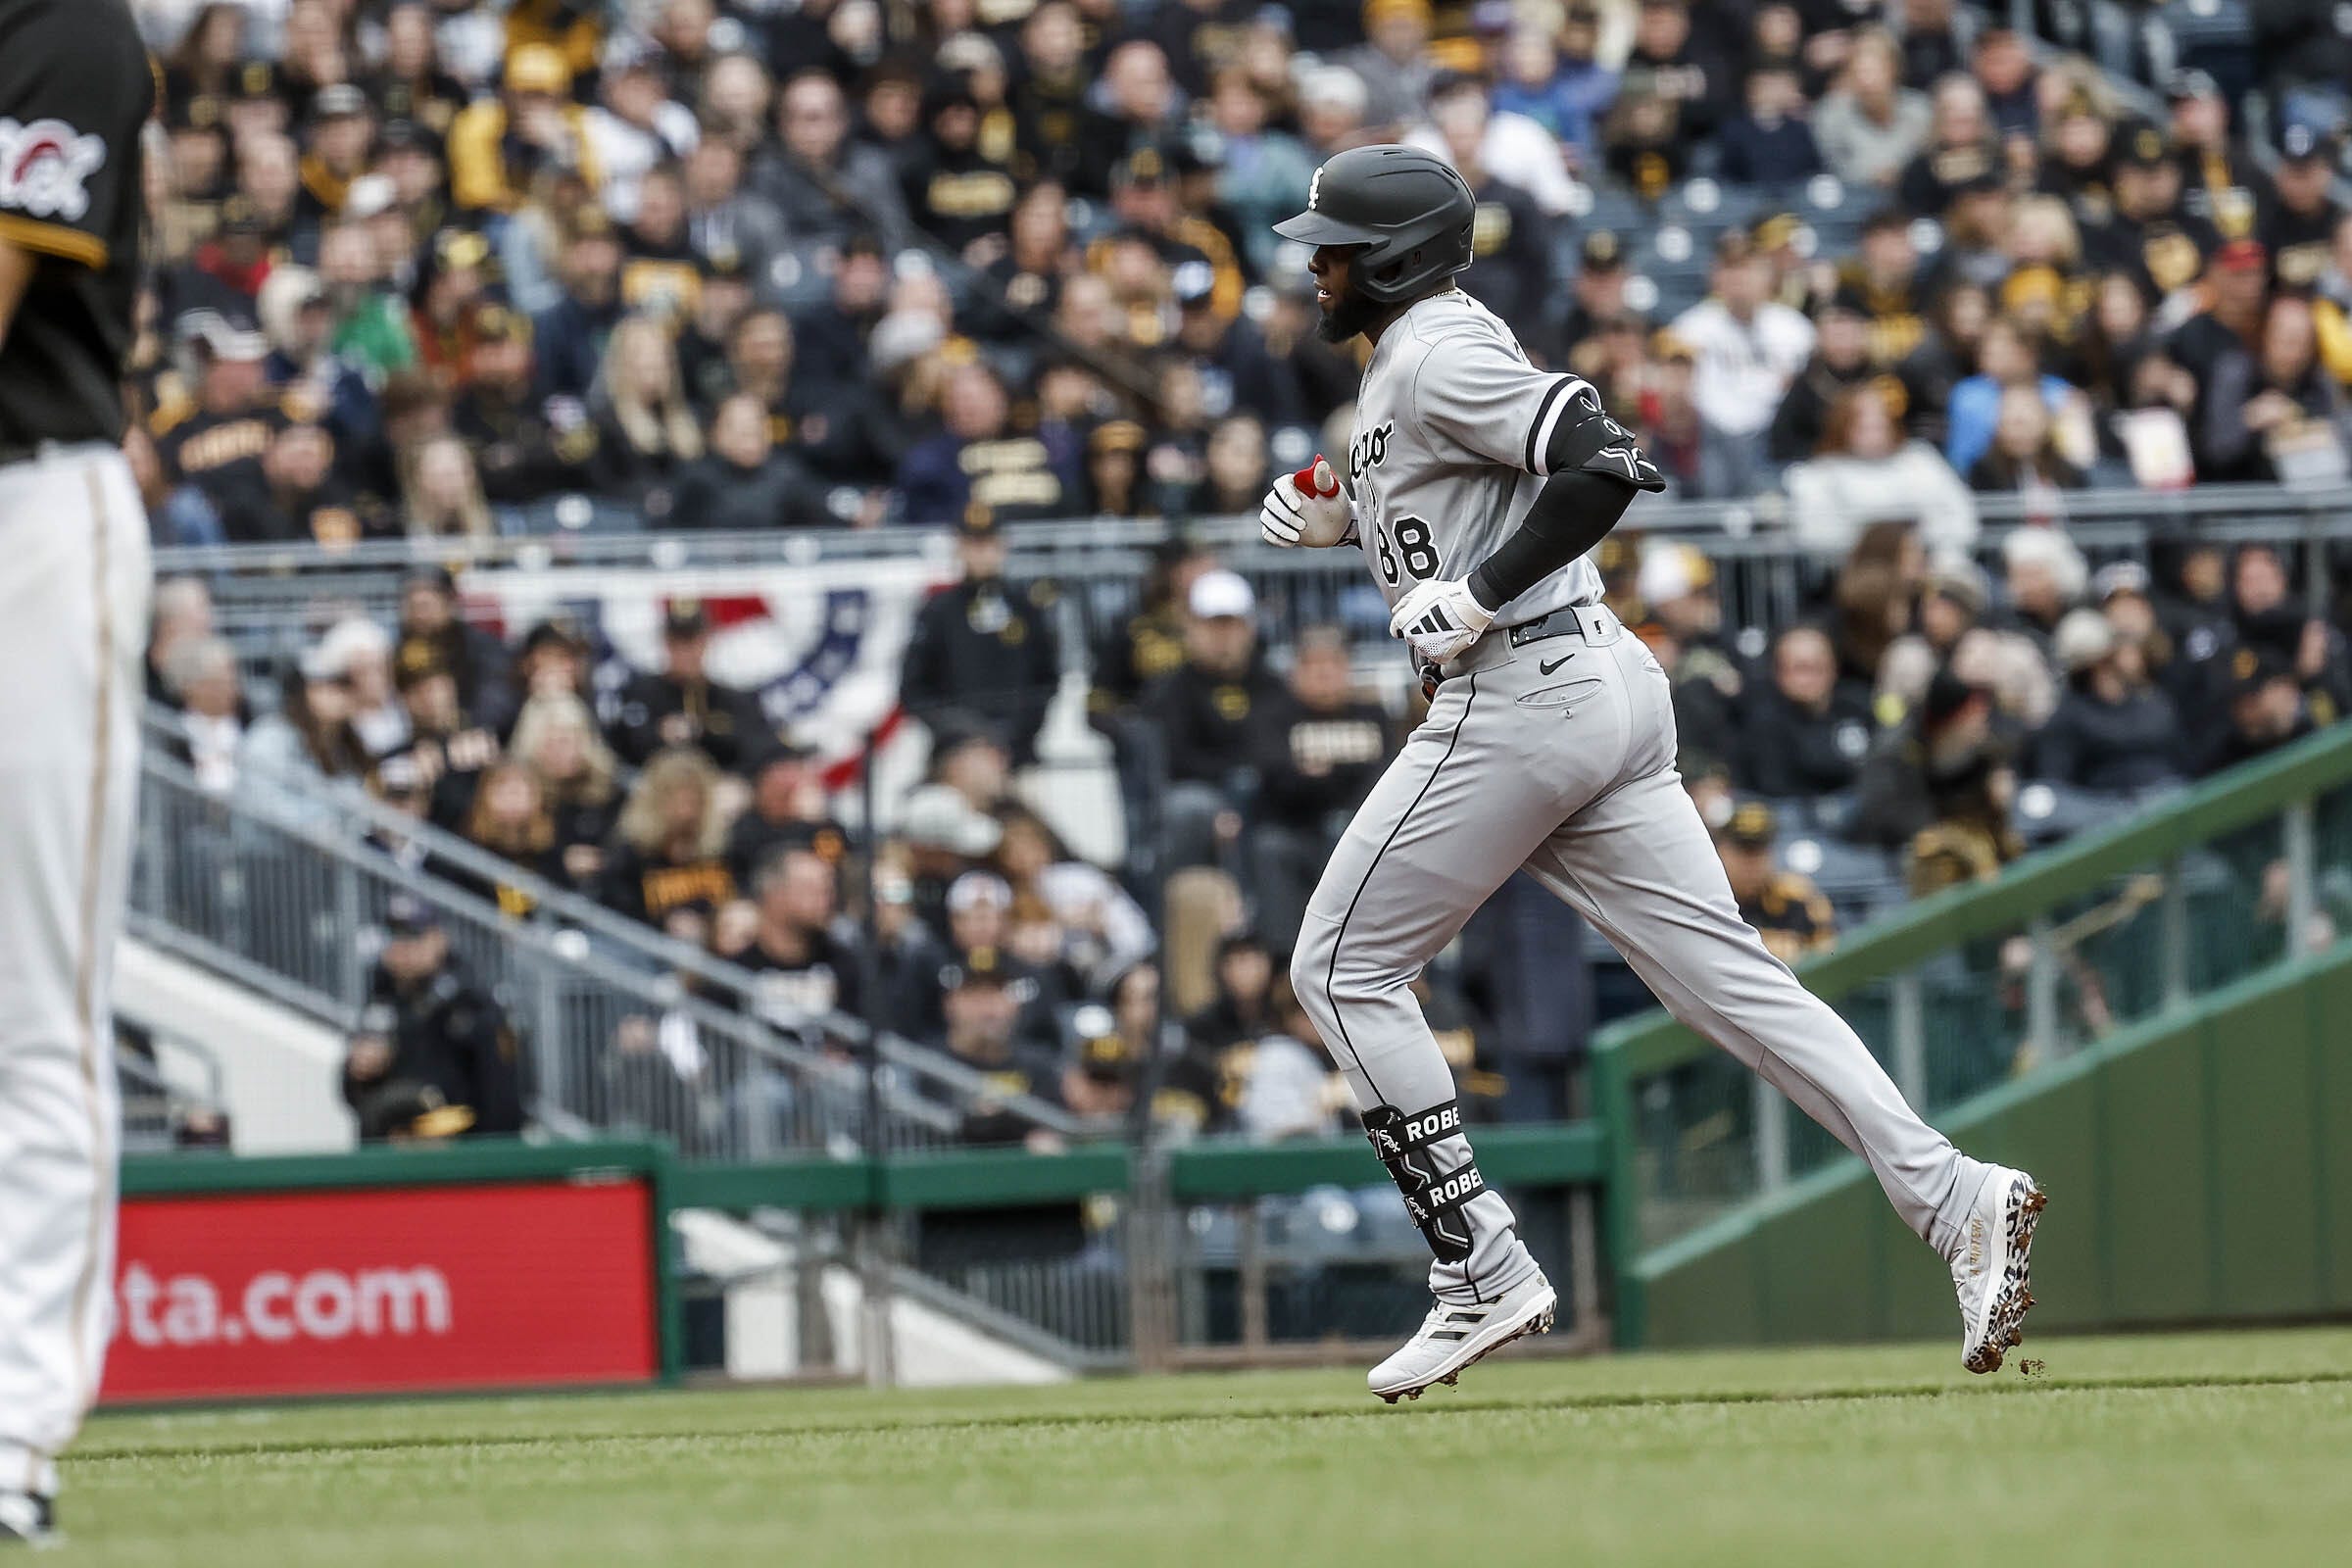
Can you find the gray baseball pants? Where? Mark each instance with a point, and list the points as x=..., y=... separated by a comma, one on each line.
x=1559, y=755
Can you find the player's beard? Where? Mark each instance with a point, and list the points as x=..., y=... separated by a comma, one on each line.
x=1349, y=315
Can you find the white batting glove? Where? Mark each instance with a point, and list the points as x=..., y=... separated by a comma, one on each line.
x=1440, y=619
x=1307, y=508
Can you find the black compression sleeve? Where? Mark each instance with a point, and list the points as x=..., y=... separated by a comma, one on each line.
x=1572, y=511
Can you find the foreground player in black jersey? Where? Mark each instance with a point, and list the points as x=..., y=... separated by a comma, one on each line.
x=75, y=87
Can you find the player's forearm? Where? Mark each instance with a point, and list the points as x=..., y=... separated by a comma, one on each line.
x=15, y=275
x=1572, y=511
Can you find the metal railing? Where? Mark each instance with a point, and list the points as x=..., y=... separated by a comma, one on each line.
x=624, y=1028
x=1965, y=990
x=273, y=600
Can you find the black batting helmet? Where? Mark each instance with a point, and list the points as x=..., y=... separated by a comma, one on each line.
x=1408, y=209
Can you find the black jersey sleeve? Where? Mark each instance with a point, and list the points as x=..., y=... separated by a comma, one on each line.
x=75, y=91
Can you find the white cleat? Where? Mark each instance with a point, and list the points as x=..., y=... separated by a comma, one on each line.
x=1990, y=1270
x=1453, y=1337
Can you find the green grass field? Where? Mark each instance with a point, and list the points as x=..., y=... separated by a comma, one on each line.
x=2232, y=1450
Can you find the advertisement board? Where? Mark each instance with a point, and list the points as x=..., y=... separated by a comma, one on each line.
x=384, y=1289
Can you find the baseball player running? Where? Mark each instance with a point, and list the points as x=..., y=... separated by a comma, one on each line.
x=1475, y=484
x=74, y=90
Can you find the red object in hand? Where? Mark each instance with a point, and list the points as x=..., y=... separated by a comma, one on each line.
x=1304, y=479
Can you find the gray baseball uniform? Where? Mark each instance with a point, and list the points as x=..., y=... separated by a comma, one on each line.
x=1554, y=749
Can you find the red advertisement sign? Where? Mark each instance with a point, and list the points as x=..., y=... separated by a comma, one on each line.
x=384, y=1290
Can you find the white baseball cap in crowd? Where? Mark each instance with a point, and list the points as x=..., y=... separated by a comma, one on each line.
x=1671, y=571
x=2083, y=639
x=1220, y=592
x=979, y=890
x=937, y=817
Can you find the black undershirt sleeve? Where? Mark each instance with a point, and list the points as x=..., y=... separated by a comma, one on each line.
x=1572, y=511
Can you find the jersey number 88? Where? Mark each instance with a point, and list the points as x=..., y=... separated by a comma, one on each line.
x=1420, y=553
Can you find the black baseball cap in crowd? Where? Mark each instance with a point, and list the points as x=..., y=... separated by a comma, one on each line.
x=1601, y=252
x=2251, y=669
x=2300, y=143
x=982, y=966
x=1750, y=826
x=684, y=617
x=437, y=577
x=2184, y=84
x=978, y=520
x=1947, y=694
x=1846, y=300
x=1102, y=1051
x=557, y=631
x=407, y=915
x=2142, y=145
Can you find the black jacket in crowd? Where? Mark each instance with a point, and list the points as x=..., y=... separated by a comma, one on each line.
x=452, y=1046
x=1788, y=752
x=2097, y=744
x=653, y=711
x=1207, y=722
x=1314, y=764
x=985, y=654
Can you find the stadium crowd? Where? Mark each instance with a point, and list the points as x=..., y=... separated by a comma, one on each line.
x=422, y=269
x=418, y=267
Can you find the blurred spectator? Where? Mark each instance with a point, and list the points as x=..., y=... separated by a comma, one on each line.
x=1939, y=784
x=976, y=460
x=1841, y=362
x=1320, y=748
x=2023, y=455
x=1865, y=472
x=573, y=333
x=1871, y=125
x=980, y=1012
x=218, y=443
x=182, y=613
x=556, y=739
x=441, y=493
x=433, y=631
x=1559, y=81
x=1748, y=349
x=358, y=653
x=1099, y=1081
x=2266, y=617
x=802, y=964
x=2046, y=576
x=497, y=146
x=634, y=126
x=1805, y=734
x=984, y=653
x=310, y=738
x=434, y=1055
x=2113, y=730
x=2236, y=297
x=668, y=852
x=1960, y=150
x=202, y=673
x=1770, y=143
x=743, y=483
x=1394, y=61
x=1684, y=630
x=1105, y=931
x=1291, y=1089
x=510, y=818
x=787, y=810
x=646, y=434
x=2273, y=413
x=1209, y=709
x=826, y=185
x=523, y=445
x=1785, y=908
x=681, y=704
x=2006, y=357
x=2265, y=712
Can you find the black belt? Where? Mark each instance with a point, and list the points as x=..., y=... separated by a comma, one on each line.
x=1560, y=623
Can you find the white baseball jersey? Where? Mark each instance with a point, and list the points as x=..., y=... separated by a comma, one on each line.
x=1451, y=429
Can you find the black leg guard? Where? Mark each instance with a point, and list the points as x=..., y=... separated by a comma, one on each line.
x=1434, y=1198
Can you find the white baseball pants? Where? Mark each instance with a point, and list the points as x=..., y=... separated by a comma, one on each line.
x=74, y=586
x=1558, y=756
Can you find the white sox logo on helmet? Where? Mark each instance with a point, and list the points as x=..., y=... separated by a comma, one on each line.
x=1315, y=191
x=43, y=165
